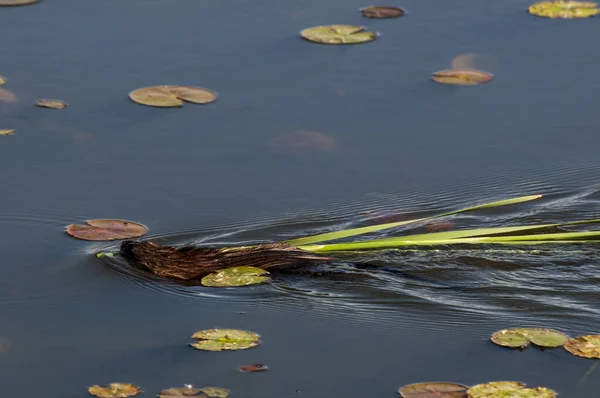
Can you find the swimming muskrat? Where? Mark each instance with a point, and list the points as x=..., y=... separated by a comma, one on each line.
x=191, y=262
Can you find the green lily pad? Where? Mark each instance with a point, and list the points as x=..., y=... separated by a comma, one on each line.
x=115, y=390
x=7, y=132
x=10, y=3
x=225, y=339
x=564, y=9
x=236, y=276
x=436, y=389
x=51, y=103
x=509, y=389
x=338, y=34
x=585, y=346
x=216, y=392
x=521, y=337
x=106, y=230
x=461, y=77
x=382, y=12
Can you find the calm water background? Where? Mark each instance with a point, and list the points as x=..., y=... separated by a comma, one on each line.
x=206, y=173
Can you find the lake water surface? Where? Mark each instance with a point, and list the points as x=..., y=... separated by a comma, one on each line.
x=404, y=146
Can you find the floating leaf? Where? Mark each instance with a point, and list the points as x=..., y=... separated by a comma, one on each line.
x=258, y=367
x=521, y=337
x=461, y=77
x=585, y=346
x=51, y=103
x=2, y=78
x=382, y=12
x=300, y=142
x=506, y=389
x=236, y=276
x=102, y=255
x=7, y=132
x=338, y=34
x=216, y=392
x=564, y=9
x=106, y=230
x=225, y=339
x=172, y=96
x=435, y=389
x=9, y=3
x=7, y=96
x=115, y=390
x=183, y=392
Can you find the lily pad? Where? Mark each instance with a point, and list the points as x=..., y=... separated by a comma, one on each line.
x=461, y=77
x=236, y=276
x=585, y=346
x=512, y=389
x=564, y=9
x=225, y=339
x=7, y=132
x=382, y=12
x=188, y=391
x=106, y=230
x=51, y=103
x=435, y=389
x=257, y=367
x=10, y=3
x=338, y=34
x=172, y=96
x=521, y=337
x=216, y=392
x=115, y=390
x=2, y=80
x=7, y=96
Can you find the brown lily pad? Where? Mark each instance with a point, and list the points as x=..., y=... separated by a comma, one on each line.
x=11, y=3
x=115, y=390
x=7, y=132
x=172, y=96
x=382, y=12
x=187, y=391
x=461, y=77
x=216, y=392
x=435, y=389
x=51, y=103
x=225, y=340
x=257, y=367
x=338, y=34
x=509, y=389
x=106, y=230
x=585, y=346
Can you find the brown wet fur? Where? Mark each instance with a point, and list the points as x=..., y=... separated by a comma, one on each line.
x=190, y=263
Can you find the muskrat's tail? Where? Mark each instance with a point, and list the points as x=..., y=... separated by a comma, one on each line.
x=191, y=262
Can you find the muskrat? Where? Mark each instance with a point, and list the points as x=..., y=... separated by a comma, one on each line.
x=192, y=262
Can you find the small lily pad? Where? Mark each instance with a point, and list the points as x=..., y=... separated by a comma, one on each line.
x=187, y=391
x=521, y=337
x=585, y=346
x=338, y=34
x=103, y=254
x=106, y=230
x=564, y=9
x=7, y=132
x=216, y=392
x=51, y=103
x=512, y=389
x=2, y=80
x=225, y=339
x=461, y=77
x=435, y=389
x=257, y=367
x=172, y=96
x=115, y=390
x=236, y=276
x=382, y=12
x=10, y=3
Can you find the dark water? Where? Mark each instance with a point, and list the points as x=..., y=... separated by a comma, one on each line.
x=206, y=173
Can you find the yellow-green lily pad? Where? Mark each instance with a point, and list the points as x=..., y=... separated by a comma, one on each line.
x=564, y=9
x=216, y=392
x=2, y=80
x=115, y=390
x=461, y=77
x=521, y=337
x=436, y=389
x=10, y=3
x=509, y=389
x=236, y=276
x=338, y=34
x=585, y=346
x=51, y=103
x=7, y=132
x=225, y=339
x=382, y=12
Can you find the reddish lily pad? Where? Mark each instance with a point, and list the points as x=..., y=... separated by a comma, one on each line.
x=382, y=12
x=461, y=77
x=434, y=389
x=106, y=230
x=51, y=103
x=258, y=367
x=585, y=346
x=115, y=390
